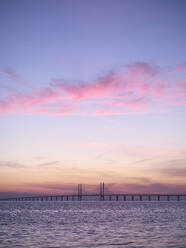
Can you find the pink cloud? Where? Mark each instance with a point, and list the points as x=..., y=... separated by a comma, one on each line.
x=99, y=88
x=22, y=102
x=138, y=88
x=136, y=82
x=110, y=112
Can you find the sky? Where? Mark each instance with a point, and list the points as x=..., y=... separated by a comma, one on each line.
x=92, y=91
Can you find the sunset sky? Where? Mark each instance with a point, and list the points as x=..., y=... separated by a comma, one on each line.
x=92, y=91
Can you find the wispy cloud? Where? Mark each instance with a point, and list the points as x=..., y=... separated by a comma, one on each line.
x=11, y=74
x=144, y=68
x=11, y=164
x=135, y=149
x=175, y=172
x=144, y=160
x=174, y=168
x=54, y=165
x=54, y=162
x=28, y=102
x=155, y=188
x=139, y=88
x=181, y=66
x=53, y=187
x=40, y=157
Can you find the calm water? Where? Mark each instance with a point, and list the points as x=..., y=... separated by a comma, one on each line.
x=93, y=224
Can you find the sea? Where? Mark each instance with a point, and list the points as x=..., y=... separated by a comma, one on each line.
x=103, y=224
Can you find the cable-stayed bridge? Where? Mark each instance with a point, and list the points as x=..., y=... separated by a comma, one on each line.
x=101, y=196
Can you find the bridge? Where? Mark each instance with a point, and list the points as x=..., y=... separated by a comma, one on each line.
x=100, y=196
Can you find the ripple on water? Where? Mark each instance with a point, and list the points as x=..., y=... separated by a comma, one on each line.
x=93, y=224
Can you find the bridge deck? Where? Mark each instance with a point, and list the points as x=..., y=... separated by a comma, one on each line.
x=101, y=197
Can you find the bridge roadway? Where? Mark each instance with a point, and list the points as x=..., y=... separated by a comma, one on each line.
x=101, y=197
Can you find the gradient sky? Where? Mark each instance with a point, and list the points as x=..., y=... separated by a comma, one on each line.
x=92, y=91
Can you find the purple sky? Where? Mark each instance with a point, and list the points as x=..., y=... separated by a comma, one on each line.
x=92, y=91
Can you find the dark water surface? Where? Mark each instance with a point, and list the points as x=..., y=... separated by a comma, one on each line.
x=93, y=224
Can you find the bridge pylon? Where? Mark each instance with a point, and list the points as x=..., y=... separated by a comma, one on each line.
x=79, y=192
x=102, y=191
